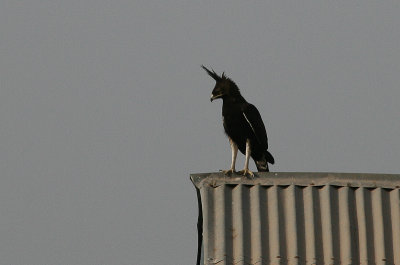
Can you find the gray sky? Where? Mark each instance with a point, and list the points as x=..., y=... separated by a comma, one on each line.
x=105, y=111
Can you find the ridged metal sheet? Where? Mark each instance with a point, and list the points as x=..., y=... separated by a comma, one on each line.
x=300, y=218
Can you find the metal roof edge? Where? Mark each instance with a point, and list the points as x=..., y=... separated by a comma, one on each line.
x=369, y=180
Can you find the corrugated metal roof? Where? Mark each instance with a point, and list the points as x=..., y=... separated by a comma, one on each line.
x=299, y=218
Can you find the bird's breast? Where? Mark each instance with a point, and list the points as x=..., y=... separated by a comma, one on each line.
x=235, y=126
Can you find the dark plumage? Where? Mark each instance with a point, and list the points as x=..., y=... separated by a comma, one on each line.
x=243, y=125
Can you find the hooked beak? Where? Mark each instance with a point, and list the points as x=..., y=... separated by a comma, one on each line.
x=215, y=97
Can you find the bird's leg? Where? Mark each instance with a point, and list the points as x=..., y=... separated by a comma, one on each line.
x=234, y=154
x=246, y=170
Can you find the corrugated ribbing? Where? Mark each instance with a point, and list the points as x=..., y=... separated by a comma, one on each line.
x=300, y=224
x=276, y=250
x=395, y=214
x=363, y=236
x=256, y=223
x=238, y=215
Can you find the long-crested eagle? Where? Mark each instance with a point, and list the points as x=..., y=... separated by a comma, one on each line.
x=243, y=125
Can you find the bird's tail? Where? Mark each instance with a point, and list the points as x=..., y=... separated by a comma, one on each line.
x=270, y=159
x=262, y=165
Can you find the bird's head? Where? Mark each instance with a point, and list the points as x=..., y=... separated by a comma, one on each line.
x=224, y=86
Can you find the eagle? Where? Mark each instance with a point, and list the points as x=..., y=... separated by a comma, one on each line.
x=242, y=124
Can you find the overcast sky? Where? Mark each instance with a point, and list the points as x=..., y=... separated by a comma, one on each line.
x=105, y=111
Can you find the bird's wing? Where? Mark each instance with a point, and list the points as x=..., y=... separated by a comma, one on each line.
x=253, y=118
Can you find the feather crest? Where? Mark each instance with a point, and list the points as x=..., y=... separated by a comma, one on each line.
x=212, y=73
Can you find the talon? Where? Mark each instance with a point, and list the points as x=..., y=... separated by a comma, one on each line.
x=228, y=172
x=246, y=172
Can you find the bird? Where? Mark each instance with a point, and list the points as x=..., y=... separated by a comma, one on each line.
x=242, y=124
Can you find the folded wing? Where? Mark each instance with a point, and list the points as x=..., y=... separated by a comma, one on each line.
x=254, y=119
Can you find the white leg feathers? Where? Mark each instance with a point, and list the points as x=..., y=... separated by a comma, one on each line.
x=234, y=149
x=246, y=170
